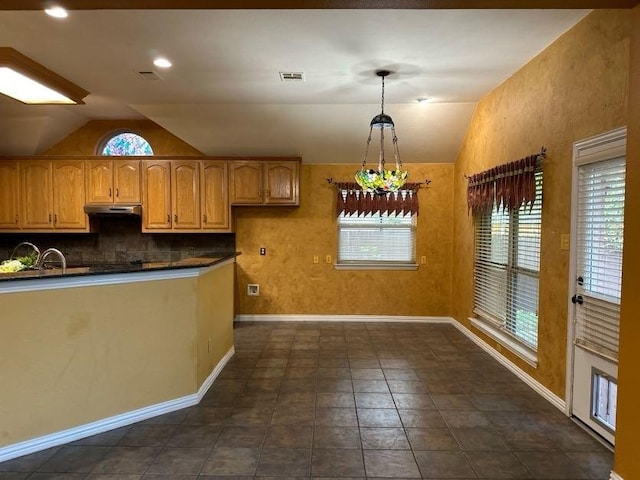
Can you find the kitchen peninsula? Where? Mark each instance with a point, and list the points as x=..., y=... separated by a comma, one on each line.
x=89, y=351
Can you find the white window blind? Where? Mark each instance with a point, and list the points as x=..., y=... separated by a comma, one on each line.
x=376, y=239
x=600, y=229
x=506, y=270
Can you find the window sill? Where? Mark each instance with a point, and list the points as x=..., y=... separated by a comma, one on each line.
x=375, y=266
x=504, y=339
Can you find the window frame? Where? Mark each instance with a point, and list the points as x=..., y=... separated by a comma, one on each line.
x=501, y=330
x=370, y=264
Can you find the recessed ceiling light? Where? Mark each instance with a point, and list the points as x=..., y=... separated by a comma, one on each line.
x=56, y=12
x=161, y=62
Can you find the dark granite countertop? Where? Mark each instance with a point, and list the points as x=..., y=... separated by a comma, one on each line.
x=111, y=268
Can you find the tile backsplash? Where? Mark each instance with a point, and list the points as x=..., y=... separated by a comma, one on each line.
x=119, y=239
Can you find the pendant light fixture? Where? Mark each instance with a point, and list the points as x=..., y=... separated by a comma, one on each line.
x=382, y=181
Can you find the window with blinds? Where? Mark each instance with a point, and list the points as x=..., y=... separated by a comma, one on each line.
x=600, y=218
x=377, y=239
x=506, y=270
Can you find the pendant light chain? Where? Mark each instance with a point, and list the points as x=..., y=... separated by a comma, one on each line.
x=382, y=181
x=382, y=103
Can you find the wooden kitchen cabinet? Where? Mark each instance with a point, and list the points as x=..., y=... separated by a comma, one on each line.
x=69, y=195
x=156, y=196
x=245, y=181
x=52, y=195
x=9, y=195
x=185, y=194
x=214, y=194
x=281, y=180
x=113, y=181
x=265, y=182
x=36, y=194
x=171, y=195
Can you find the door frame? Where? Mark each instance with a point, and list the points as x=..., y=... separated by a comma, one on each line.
x=604, y=146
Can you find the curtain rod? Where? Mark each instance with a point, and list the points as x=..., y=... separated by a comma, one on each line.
x=542, y=154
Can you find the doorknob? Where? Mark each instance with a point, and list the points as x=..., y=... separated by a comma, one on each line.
x=577, y=299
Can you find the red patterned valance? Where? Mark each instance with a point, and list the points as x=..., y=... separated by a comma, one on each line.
x=508, y=186
x=352, y=200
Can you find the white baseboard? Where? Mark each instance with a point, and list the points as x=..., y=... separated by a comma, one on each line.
x=547, y=394
x=615, y=476
x=206, y=385
x=341, y=318
x=537, y=386
x=87, y=430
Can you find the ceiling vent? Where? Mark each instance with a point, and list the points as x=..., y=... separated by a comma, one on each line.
x=292, y=76
x=150, y=75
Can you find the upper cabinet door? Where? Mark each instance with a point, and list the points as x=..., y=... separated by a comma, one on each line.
x=214, y=194
x=126, y=181
x=281, y=183
x=69, y=195
x=185, y=179
x=36, y=194
x=246, y=183
x=99, y=181
x=156, y=187
x=9, y=196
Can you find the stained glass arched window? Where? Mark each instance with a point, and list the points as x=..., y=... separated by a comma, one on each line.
x=127, y=143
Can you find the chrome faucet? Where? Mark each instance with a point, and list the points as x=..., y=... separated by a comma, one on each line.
x=27, y=244
x=48, y=252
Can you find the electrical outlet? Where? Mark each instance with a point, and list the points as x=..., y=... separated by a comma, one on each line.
x=316, y=259
x=327, y=259
x=423, y=260
x=565, y=241
x=263, y=251
x=253, y=289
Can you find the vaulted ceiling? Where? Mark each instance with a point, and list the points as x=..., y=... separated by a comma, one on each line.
x=224, y=95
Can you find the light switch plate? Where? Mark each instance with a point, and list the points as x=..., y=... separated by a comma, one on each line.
x=565, y=241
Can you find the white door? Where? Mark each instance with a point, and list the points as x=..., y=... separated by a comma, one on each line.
x=596, y=266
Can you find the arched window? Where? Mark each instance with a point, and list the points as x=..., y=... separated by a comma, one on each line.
x=126, y=143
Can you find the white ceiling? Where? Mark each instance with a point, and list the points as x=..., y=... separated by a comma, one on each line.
x=224, y=96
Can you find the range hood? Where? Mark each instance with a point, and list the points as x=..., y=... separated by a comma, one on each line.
x=96, y=209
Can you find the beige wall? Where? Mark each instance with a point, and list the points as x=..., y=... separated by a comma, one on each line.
x=76, y=355
x=291, y=284
x=215, y=318
x=73, y=356
x=627, y=460
x=87, y=138
x=574, y=89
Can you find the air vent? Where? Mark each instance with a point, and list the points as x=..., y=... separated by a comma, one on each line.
x=150, y=75
x=292, y=76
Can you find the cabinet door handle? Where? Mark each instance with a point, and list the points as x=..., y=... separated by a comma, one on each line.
x=109, y=192
x=16, y=218
x=55, y=218
x=49, y=218
x=204, y=219
x=175, y=218
x=117, y=192
x=168, y=218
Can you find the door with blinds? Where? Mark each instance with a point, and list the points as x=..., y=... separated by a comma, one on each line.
x=597, y=234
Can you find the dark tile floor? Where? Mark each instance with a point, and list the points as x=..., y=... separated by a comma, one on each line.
x=347, y=400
